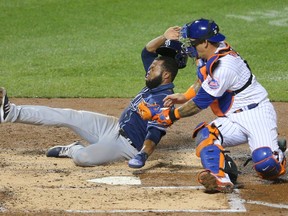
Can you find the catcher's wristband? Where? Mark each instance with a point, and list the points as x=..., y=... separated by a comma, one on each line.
x=174, y=114
x=190, y=93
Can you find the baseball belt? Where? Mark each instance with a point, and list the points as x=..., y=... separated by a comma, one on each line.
x=123, y=133
x=249, y=107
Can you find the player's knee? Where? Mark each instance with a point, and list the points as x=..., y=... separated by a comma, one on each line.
x=82, y=158
x=266, y=163
x=205, y=135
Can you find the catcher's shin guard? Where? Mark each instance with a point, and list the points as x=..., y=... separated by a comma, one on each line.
x=267, y=164
x=211, y=154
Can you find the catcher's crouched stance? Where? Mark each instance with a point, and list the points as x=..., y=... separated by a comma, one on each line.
x=220, y=172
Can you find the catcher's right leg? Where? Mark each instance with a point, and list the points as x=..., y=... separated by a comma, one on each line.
x=220, y=169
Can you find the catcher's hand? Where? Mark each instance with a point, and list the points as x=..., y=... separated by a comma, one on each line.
x=155, y=113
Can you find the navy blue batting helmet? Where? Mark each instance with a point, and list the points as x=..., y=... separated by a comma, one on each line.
x=202, y=29
x=173, y=49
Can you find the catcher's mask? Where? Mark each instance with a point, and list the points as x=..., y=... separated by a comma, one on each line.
x=173, y=48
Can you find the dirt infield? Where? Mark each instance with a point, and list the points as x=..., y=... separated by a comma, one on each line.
x=31, y=183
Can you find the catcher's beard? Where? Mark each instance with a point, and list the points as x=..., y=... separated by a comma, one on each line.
x=154, y=82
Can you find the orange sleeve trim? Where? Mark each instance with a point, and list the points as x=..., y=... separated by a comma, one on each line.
x=190, y=93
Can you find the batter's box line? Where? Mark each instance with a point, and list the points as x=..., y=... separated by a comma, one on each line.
x=236, y=204
x=280, y=206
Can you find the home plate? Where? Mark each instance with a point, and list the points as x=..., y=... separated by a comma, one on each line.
x=117, y=180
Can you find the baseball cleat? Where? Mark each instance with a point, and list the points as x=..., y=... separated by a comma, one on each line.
x=138, y=161
x=4, y=105
x=61, y=151
x=213, y=183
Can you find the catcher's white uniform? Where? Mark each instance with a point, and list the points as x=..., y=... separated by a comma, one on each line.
x=244, y=111
x=251, y=117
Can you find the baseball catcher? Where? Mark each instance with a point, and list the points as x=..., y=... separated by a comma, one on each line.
x=244, y=113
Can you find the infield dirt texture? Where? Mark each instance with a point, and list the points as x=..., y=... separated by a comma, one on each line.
x=65, y=48
x=32, y=184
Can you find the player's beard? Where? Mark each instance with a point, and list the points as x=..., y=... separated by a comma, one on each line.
x=154, y=82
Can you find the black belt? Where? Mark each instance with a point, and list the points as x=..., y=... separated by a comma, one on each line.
x=245, y=86
x=123, y=133
x=249, y=107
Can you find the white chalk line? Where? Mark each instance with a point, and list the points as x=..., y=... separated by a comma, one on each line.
x=236, y=204
x=153, y=210
x=280, y=206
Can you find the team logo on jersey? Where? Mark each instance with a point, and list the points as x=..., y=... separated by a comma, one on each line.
x=213, y=83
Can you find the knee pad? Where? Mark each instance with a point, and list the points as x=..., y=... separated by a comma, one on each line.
x=266, y=164
x=205, y=135
x=212, y=155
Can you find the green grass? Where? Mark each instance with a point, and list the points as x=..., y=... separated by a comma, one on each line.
x=91, y=48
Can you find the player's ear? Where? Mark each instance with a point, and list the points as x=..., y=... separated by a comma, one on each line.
x=166, y=75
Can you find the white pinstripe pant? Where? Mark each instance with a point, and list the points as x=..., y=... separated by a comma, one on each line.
x=257, y=127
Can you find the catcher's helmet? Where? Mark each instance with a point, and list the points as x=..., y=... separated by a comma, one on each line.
x=173, y=49
x=202, y=29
